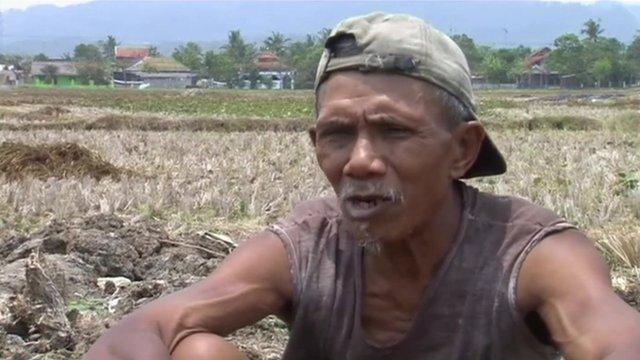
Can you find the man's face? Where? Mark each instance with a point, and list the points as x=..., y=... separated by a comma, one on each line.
x=383, y=143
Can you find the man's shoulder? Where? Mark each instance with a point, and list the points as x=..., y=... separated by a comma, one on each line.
x=320, y=207
x=510, y=209
x=308, y=220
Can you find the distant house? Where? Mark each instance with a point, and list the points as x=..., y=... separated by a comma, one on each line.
x=131, y=53
x=279, y=75
x=478, y=81
x=155, y=72
x=537, y=73
x=55, y=72
x=9, y=75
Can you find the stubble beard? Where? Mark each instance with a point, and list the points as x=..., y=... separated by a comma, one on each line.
x=361, y=230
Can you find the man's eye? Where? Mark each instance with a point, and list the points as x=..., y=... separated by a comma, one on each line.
x=396, y=131
x=336, y=133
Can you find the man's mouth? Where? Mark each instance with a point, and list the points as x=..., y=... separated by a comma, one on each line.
x=362, y=207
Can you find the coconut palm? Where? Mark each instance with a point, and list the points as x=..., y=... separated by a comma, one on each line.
x=239, y=51
x=276, y=43
x=109, y=47
x=592, y=29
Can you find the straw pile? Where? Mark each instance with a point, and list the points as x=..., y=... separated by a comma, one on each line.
x=59, y=160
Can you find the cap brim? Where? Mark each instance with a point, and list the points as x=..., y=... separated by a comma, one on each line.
x=489, y=161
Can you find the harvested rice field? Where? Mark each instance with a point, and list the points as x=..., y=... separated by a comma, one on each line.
x=154, y=188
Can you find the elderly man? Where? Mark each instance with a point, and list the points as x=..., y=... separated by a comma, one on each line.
x=407, y=262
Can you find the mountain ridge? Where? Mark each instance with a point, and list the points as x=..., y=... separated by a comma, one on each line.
x=55, y=30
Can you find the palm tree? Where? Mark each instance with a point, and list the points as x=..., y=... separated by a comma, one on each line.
x=276, y=43
x=109, y=47
x=50, y=73
x=153, y=51
x=592, y=29
x=239, y=51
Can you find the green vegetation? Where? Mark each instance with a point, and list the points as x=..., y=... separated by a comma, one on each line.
x=592, y=59
x=87, y=304
x=219, y=103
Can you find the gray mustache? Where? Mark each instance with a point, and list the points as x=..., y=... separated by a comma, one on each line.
x=370, y=188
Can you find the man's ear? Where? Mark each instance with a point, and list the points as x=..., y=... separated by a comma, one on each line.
x=312, y=135
x=467, y=140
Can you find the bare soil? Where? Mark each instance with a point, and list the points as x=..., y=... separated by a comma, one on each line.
x=51, y=305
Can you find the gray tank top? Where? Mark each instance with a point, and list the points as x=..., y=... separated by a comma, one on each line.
x=468, y=310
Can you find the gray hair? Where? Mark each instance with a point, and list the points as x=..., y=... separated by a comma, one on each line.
x=459, y=111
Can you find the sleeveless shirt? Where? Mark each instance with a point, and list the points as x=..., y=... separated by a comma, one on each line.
x=467, y=311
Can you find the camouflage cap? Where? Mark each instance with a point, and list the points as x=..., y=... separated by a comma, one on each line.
x=404, y=44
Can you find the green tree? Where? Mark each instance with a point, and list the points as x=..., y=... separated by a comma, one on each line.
x=50, y=73
x=220, y=67
x=190, y=55
x=568, y=57
x=87, y=52
x=276, y=43
x=40, y=57
x=15, y=60
x=592, y=29
x=92, y=71
x=633, y=50
x=502, y=65
x=322, y=36
x=494, y=68
x=593, y=59
x=468, y=47
x=606, y=61
x=602, y=71
x=153, y=51
x=240, y=52
x=303, y=57
x=109, y=47
x=632, y=56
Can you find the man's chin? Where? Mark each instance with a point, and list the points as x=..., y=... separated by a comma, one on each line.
x=368, y=233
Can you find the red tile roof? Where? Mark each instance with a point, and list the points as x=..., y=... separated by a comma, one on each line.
x=131, y=52
x=537, y=58
x=269, y=62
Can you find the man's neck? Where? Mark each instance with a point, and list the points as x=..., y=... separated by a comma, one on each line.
x=420, y=255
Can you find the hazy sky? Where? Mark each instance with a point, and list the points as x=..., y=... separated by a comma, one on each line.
x=23, y=4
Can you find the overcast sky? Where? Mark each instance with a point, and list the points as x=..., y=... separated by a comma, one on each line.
x=23, y=4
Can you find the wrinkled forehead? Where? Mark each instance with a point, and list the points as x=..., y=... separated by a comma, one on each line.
x=382, y=89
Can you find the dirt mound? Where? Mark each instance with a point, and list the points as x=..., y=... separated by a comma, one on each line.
x=18, y=160
x=564, y=122
x=48, y=112
x=64, y=285
x=52, y=110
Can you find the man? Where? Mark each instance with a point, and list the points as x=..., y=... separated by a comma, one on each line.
x=407, y=262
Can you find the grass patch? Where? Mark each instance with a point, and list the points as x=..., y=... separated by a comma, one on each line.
x=627, y=182
x=86, y=304
x=621, y=250
x=266, y=104
x=628, y=121
x=566, y=122
x=158, y=123
x=487, y=104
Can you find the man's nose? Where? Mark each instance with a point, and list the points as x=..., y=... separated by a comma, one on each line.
x=364, y=162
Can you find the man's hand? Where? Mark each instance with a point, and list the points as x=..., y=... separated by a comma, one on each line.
x=566, y=281
x=253, y=282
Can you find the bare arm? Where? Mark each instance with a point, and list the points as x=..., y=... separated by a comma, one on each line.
x=253, y=282
x=566, y=281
